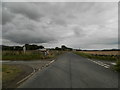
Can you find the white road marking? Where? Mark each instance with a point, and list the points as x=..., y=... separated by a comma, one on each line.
x=106, y=67
x=113, y=63
x=100, y=63
x=52, y=61
x=34, y=72
x=26, y=77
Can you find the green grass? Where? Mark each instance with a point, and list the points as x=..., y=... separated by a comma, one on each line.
x=117, y=67
x=9, y=72
x=110, y=58
x=29, y=55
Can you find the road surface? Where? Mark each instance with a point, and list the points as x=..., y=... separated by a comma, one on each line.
x=73, y=71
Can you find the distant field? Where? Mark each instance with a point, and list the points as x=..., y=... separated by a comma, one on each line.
x=101, y=55
x=102, y=52
x=29, y=55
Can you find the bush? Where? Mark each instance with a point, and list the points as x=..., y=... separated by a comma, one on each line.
x=117, y=67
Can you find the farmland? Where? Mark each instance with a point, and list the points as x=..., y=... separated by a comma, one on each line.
x=101, y=55
x=102, y=52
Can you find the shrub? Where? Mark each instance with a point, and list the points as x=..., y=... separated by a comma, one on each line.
x=117, y=66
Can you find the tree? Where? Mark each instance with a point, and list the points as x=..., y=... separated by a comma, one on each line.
x=63, y=47
x=33, y=47
x=27, y=46
x=41, y=47
x=57, y=48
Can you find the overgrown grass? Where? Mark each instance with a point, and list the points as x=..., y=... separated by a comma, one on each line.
x=29, y=55
x=117, y=67
x=9, y=72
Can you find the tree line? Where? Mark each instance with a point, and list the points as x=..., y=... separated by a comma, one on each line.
x=34, y=47
x=28, y=47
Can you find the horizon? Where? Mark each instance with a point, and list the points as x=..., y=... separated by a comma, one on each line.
x=64, y=45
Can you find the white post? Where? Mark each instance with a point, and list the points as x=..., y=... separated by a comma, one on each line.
x=24, y=49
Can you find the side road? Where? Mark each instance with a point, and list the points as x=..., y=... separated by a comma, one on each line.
x=28, y=69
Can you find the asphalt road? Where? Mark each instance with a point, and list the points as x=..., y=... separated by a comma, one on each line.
x=73, y=71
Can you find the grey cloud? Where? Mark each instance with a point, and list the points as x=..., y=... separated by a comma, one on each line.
x=6, y=16
x=26, y=38
x=97, y=43
x=72, y=24
x=0, y=13
x=79, y=32
x=59, y=21
x=104, y=41
x=21, y=31
x=30, y=10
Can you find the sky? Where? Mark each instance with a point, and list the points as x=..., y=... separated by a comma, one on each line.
x=85, y=25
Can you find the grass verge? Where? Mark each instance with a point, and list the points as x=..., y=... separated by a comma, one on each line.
x=117, y=66
x=9, y=73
